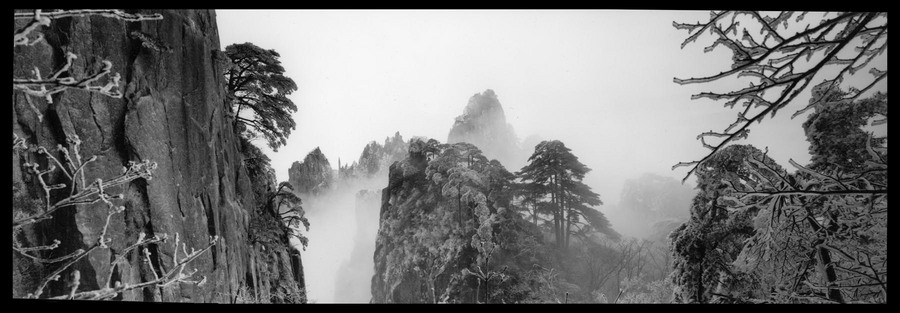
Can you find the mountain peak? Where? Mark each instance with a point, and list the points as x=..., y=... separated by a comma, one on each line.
x=483, y=105
x=483, y=124
x=313, y=175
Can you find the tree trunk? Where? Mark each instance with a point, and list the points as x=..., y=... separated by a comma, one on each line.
x=699, y=294
x=824, y=258
x=477, y=290
x=554, y=200
x=236, y=114
x=459, y=209
x=618, y=282
x=433, y=293
x=487, y=294
x=558, y=209
x=568, y=226
x=830, y=275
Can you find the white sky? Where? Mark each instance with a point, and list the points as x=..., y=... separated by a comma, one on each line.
x=600, y=81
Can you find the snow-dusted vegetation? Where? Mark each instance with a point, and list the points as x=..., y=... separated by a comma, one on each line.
x=155, y=161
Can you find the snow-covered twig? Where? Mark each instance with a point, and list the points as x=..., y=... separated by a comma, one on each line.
x=775, y=63
x=112, y=13
x=47, y=87
x=175, y=275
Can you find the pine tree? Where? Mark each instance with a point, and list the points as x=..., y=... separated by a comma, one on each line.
x=256, y=82
x=558, y=171
x=704, y=247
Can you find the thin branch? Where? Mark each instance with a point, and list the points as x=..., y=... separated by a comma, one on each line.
x=787, y=94
x=761, y=57
x=117, y=14
x=55, y=274
x=47, y=87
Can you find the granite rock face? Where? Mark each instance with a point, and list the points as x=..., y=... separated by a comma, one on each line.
x=403, y=205
x=433, y=238
x=312, y=176
x=172, y=113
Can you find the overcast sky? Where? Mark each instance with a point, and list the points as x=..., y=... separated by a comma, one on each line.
x=600, y=81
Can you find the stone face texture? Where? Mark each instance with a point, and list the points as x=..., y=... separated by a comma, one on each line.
x=171, y=113
x=405, y=184
x=312, y=176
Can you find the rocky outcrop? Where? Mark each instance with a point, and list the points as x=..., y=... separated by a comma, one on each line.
x=387, y=286
x=312, y=176
x=431, y=239
x=172, y=113
x=483, y=124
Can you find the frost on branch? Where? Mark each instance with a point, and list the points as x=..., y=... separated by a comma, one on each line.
x=76, y=190
x=46, y=87
x=61, y=80
x=784, y=57
x=72, y=167
x=111, y=13
x=819, y=234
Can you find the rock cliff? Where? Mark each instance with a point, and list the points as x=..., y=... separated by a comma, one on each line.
x=172, y=113
x=448, y=233
x=312, y=176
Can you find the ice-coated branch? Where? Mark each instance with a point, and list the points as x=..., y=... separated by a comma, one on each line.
x=74, y=282
x=55, y=274
x=112, y=13
x=20, y=37
x=93, y=193
x=746, y=63
x=819, y=184
x=23, y=251
x=72, y=165
x=52, y=246
x=47, y=87
x=850, y=69
x=142, y=240
x=90, y=194
x=811, y=193
x=881, y=162
x=817, y=174
x=775, y=63
x=112, y=210
x=879, y=76
x=175, y=275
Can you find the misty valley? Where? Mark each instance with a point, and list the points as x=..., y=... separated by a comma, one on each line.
x=154, y=160
x=446, y=210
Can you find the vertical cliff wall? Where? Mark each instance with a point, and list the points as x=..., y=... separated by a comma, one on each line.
x=172, y=113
